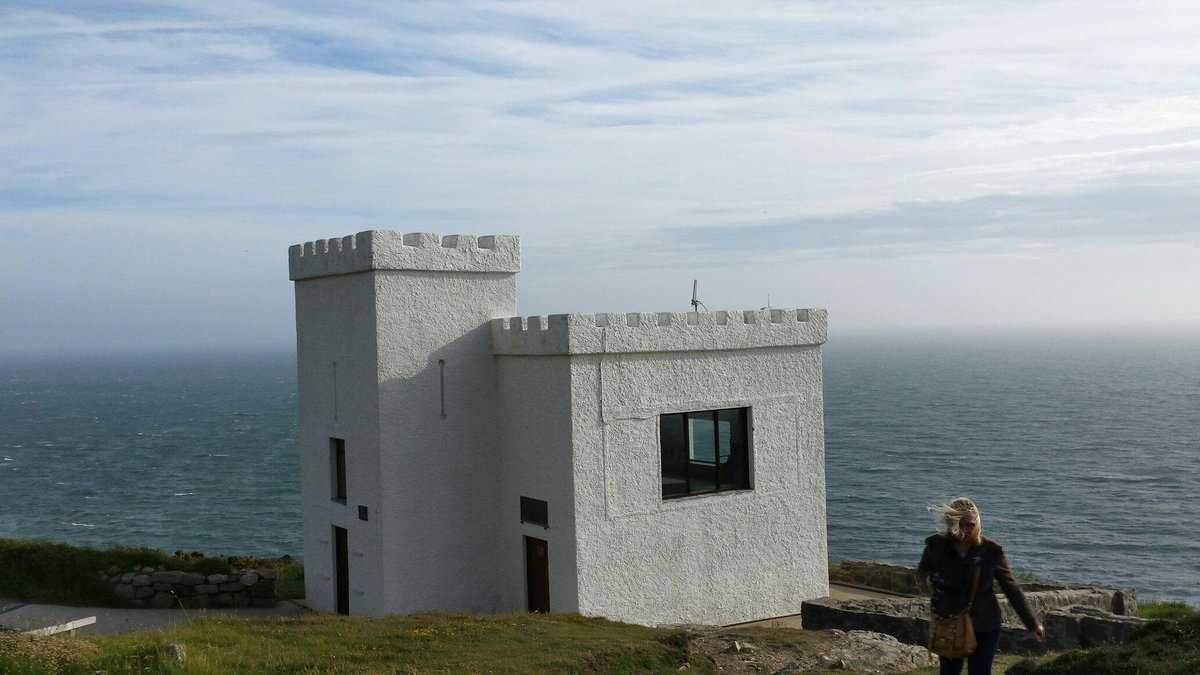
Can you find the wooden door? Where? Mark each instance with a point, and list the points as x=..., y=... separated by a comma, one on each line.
x=537, y=575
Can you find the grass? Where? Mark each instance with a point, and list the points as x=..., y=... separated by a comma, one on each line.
x=55, y=573
x=1167, y=610
x=323, y=643
x=1163, y=647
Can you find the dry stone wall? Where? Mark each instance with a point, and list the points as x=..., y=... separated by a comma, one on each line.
x=159, y=587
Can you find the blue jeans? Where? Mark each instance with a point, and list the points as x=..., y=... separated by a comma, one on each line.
x=979, y=663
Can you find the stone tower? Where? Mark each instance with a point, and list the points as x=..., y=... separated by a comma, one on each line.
x=397, y=418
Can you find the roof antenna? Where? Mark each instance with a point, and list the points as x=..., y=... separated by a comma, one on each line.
x=768, y=302
x=696, y=304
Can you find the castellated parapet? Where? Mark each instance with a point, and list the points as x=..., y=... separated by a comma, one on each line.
x=658, y=332
x=386, y=250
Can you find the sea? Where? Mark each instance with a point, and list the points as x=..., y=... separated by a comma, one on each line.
x=1082, y=450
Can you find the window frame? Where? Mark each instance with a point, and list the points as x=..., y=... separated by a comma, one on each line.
x=740, y=449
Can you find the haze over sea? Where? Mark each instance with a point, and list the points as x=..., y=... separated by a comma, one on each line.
x=1083, y=451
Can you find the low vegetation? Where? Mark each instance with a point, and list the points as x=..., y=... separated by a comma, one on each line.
x=56, y=573
x=323, y=643
x=1168, y=646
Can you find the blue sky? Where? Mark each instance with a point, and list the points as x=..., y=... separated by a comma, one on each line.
x=931, y=166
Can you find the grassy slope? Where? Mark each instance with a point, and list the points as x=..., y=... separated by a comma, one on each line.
x=504, y=643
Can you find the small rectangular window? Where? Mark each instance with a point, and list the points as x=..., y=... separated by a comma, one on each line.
x=337, y=469
x=535, y=511
x=705, y=451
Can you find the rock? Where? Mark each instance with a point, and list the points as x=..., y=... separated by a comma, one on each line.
x=142, y=592
x=191, y=579
x=171, y=577
x=113, y=571
x=175, y=654
x=248, y=579
x=162, y=600
x=240, y=600
x=231, y=587
x=141, y=580
x=127, y=577
x=124, y=591
x=220, y=600
x=205, y=589
x=217, y=578
x=158, y=586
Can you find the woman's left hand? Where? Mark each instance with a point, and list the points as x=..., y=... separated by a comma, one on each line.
x=1039, y=634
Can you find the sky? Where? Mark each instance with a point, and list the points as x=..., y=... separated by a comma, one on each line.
x=937, y=166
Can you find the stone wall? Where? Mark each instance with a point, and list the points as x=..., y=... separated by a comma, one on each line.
x=907, y=619
x=159, y=587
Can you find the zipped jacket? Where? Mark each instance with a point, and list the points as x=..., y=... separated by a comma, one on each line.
x=956, y=572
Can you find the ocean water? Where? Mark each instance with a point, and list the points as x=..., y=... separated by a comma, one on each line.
x=1083, y=452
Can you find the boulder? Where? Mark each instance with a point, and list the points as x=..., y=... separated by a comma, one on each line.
x=167, y=577
x=124, y=591
x=141, y=580
x=162, y=600
x=248, y=579
x=217, y=578
x=191, y=579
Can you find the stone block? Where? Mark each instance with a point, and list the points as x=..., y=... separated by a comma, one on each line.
x=141, y=580
x=162, y=600
x=124, y=591
x=168, y=577
x=113, y=571
x=143, y=592
x=159, y=586
x=127, y=577
x=191, y=579
x=217, y=578
x=231, y=587
x=205, y=589
x=248, y=579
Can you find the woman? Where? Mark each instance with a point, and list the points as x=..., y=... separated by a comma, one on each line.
x=948, y=566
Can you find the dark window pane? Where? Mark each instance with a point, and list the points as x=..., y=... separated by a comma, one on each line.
x=674, y=456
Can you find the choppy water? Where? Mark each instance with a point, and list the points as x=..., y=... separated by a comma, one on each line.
x=1084, y=453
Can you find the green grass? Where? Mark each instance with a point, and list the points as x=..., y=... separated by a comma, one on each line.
x=1161, y=647
x=1167, y=610
x=56, y=573
x=323, y=643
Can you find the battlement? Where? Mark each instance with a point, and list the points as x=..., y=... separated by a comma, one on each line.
x=658, y=332
x=386, y=250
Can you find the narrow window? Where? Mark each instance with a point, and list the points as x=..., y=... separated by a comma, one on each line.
x=337, y=470
x=705, y=451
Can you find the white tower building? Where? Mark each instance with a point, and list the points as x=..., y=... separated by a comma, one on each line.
x=651, y=468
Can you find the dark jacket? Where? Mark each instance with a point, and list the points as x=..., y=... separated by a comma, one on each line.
x=956, y=572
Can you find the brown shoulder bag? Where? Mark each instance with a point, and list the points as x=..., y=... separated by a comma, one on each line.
x=954, y=636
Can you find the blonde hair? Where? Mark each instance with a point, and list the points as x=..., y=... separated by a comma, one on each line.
x=949, y=515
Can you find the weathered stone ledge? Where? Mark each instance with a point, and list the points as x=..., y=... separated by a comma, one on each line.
x=159, y=587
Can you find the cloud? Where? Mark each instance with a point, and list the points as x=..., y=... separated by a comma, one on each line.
x=832, y=129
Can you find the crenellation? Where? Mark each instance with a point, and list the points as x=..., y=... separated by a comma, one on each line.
x=657, y=332
x=417, y=251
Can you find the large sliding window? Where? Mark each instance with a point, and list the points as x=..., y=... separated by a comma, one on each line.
x=707, y=451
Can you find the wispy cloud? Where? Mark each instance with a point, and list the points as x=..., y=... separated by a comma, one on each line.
x=817, y=126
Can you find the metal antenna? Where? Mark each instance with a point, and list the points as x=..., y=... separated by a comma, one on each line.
x=696, y=304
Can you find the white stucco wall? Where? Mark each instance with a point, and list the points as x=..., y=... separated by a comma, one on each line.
x=715, y=559
x=335, y=320
x=535, y=428
x=391, y=306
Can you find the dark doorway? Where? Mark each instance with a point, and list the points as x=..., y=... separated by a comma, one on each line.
x=537, y=575
x=341, y=564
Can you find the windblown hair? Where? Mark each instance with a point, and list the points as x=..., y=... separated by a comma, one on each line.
x=948, y=515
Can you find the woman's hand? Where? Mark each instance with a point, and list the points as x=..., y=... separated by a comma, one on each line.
x=1039, y=634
